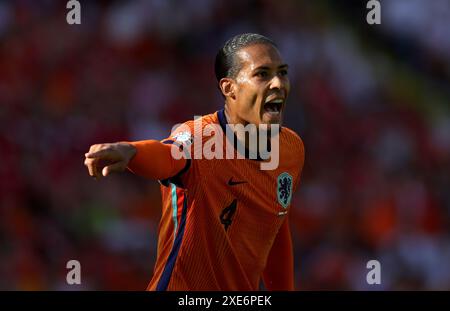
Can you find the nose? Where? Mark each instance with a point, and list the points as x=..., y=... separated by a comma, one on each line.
x=277, y=83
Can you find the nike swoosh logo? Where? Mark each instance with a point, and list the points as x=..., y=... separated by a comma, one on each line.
x=233, y=183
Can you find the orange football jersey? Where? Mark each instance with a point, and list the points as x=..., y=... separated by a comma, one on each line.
x=223, y=220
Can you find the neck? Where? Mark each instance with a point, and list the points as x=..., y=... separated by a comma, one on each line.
x=232, y=118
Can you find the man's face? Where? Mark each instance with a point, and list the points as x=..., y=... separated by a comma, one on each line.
x=261, y=86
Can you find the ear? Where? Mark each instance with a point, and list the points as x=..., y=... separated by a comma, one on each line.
x=227, y=86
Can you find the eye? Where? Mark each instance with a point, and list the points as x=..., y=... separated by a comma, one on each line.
x=262, y=74
x=283, y=72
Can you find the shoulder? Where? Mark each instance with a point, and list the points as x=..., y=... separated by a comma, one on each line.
x=293, y=140
x=191, y=131
x=198, y=123
x=293, y=152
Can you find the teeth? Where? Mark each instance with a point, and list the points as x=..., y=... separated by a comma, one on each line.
x=273, y=107
x=276, y=101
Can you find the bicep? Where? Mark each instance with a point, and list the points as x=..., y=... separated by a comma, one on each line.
x=154, y=160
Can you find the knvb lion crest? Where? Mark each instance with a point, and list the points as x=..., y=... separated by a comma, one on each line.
x=284, y=189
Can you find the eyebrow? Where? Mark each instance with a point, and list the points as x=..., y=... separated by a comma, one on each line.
x=263, y=67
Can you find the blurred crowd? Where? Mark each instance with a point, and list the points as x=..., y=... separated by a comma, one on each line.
x=371, y=103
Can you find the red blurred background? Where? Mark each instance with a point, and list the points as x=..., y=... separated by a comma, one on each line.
x=370, y=102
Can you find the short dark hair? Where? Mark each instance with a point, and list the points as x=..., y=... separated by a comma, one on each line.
x=226, y=64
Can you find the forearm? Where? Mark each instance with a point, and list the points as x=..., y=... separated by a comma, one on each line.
x=154, y=160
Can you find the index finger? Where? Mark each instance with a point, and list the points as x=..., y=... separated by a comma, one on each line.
x=97, y=154
x=91, y=166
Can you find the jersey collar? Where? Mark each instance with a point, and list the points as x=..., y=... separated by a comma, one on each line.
x=223, y=123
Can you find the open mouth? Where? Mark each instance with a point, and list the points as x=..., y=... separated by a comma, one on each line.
x=273, y=106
